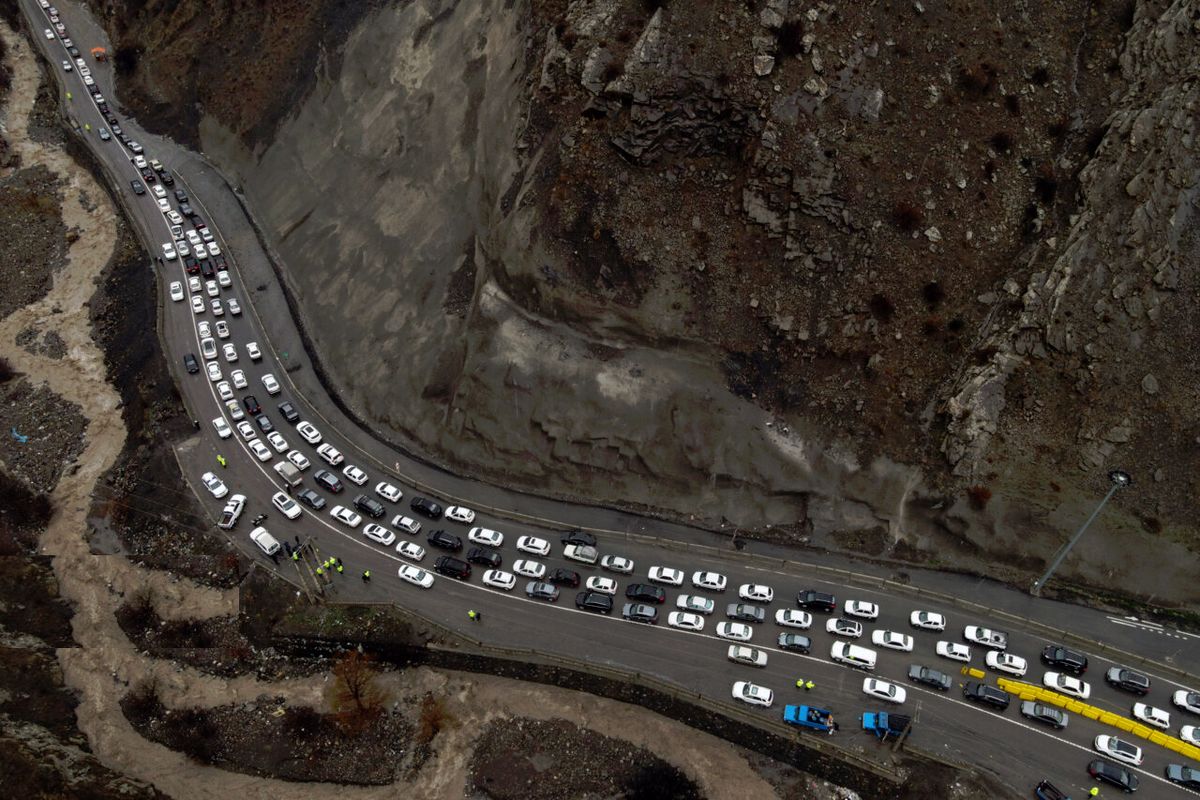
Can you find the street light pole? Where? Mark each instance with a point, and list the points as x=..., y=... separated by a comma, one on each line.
x=1120, y=480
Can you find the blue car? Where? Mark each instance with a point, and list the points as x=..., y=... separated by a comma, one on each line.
x=1048, y=791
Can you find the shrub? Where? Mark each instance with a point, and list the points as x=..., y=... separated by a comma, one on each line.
x=1046, y=183
x=978, y=497
x=433, y=718
x=907, y=215
x=790, y=38
x=933, y=293
x=882, y=308
x=975, y=82
x=1001, y=141
x=142, y=702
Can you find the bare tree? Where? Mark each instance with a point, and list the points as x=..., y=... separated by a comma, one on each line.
x=356, y=697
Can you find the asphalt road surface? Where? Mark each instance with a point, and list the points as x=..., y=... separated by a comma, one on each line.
x=1016, y=750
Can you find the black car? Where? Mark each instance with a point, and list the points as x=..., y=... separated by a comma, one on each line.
x=446, y=541
x=929, y=677
x=251, y=404
x=186, y=210
x=167, y=179
x=488, y=558
x=594, y=601
x=426, y=507
x=327, y=479
x=579, y=537
x=206, y=269
x=220, y=262
x=289, y=412
x=986, y=695
x=193, y=366
x=181, y=196
x=564, y=577
x=539, y=590
x=646, y=593
x=745, y=612
x=1047, y=715
x=796, y=642
x=191, y=265
x=1184, y=776
x=74, y=51
x=1127, y=679
x=264, y=423
x=816, y=601
x=138, y=188
x=1045, y=790
x=640, y=612
x=148, y=175
x=369, y=506
x=311, y=499
x=1113, y=774
x=1059, y=657
x=448, y=565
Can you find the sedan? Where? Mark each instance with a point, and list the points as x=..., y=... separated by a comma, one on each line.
x=529, y=569
x=218, y=310
x=444, y=540
x=197, y=304
x=407, y=524
x=309, y=433
x=234, y=307
x=756, y=592
x=1114, y=774
x=174, y=217
x=996, y=640
x=277, y=441
x=499, y=579
x=1127, y=679
x=239, y=379
x=223, y=279
x=751, y=656
x=1120, y=750
x=539, y=590
x=235, y=410
x=298, y=459
x=388, y=492
x=795, y=642
x=668, y=575
x=222, y=329
x=211, y=288
x=214, y=372
x=533, y=545
x=177, y=293
x=883, y=690
x=685, y=621
x=416, y=576
x=311, y=499
x=345, y=516
x=194, y=284
x=286, y=505
x=1006, y=662
x=1045, y=714
x=793, y=618
x=1187, y=700
x=1150, y=715
x=67, y=65
x=230, y=353
x=270, y=384
x=1190, y=734
x=222, y=428
x=378, y=534
x=253, y=351
x=840, y=626
x=1067, y=684
x=327, y=479
x=246, y=430
x=927, y=620
x=601, y=584
x=953, y=651
x=745, y=612
x=1184, y=776
x=861, y=609
x=695, y=603
x=412, y=551
x=929, y=677
x=460, y=514
x=354, y=474
x=484, y=536
x=712, y=581
x=215, y=485
x=163, y=205
x=618, y=564
x=260, y=450
x=737, y=631
x=640, y=612
x=892, y=640
x=753, y=694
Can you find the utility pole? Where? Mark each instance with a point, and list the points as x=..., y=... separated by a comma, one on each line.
x=1120, y=479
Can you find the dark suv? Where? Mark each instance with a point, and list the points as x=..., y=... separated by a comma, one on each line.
x=190, y=362
x=579, y=537
x=646, y=593
x=327, y=479
x=289, y=412
x=484, y=556
x=1127, y=679
x=448, y=565
x=1059, y=657
x=251, y=404
x=986, y=695
x=311, y=499
x=264, y=423
x=564, y=577
x=594, y=601
x=816, y=601
x=426, y=507
x=369, y=506
x=1114, y=774
x=446, y=541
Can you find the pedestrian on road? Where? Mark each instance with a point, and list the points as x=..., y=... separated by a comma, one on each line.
x=1095, y=791
x=366, y=576
x=325, y=563
x=808, y=686
x=473, y=615
x=799, y=683
x=296, y=555
x=221, y=460
x=339, y=569
x=196, y=423
x=320, y=572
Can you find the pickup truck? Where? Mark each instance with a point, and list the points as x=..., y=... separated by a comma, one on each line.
x=231, y=512
x=884, y=724
x=819, y=719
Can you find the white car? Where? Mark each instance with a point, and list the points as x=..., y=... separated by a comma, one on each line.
x=1006, y=662
x=174, y=217
x=1152, y=716
x=214, y=371
x=668, y=575
x=260, y=450
x=222, y=328
x=353, y=473
x=756, y=592
x=345, y=516
x=927, y=620
x=49, y=34
x=883, y=690
x=239, y=379
x=235, y=307
x=224, y=391
x=378, y=534
x=235, y=410
x=192, y=237
x=486, y=536
x=182, y=248
x=534, y=545
x=203, y=329
x=996, y=640
x=68, y=66
x=246, y=430
x=892, y=640
x=140, y=163
x=1067, y=684
x=298, y=459
x=207, y=235
x=230, y=352
x=155, y=189
x=169, y=251
x=840, y=626
x=277, y=441
x=695, y=603
x=602, y=584
x=861, y=609
x=253, y=351
x=308, y=432
x=953, y=651
x=407, y=524
x=529, y=569
x=410, y=550
x=1119, y=749
x=737, y=631
x=224, y=280
x=753, y=694
x=685, y=621
x=217, y=309
x=163, y=205
x=1190, y=734
x=222, y=427
x=712, y=581
x=793, y=618
x=619, y=564
x=212, y=248
x=286, y=505
x=270, y=384
x=1187, y=700
x=499, y=579
x=215, y=485
x=177, y=293
x=211, y=288
x=460, y=514
x=416, y=576
x=194, y=284
x=330, y=454
x=751, y=656
x=197, y=304
x=388, y=492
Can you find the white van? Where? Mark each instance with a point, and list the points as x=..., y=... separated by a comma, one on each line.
x=853, y=655
x=265, y=541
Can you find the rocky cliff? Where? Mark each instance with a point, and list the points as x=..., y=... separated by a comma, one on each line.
x=837, y=268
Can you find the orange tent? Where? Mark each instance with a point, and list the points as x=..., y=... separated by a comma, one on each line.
x=99, y=54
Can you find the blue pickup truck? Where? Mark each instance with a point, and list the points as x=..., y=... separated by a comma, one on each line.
x=819, y=719
x=884, y=724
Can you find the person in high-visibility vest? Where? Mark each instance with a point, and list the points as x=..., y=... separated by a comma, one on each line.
x=366, y=576
x=808, y=686
x=320, y=572
x=799, y=683
x=1095, y=791
x=339, y=569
